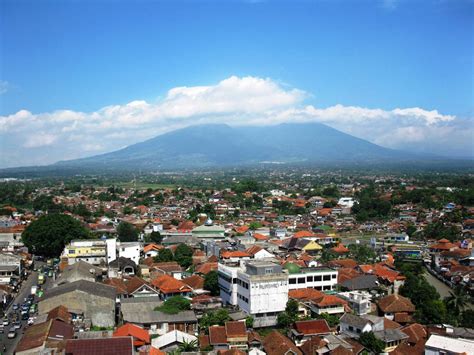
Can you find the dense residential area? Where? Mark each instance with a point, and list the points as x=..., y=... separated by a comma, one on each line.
x=265, y=262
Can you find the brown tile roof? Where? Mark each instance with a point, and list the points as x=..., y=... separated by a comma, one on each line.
x=390, y=324
x=60, y=313
x=236, y=329
x=347, y=263
x=36, y=335
x=395, y=303
x=312, y=327
x=234, y=254
x=340, y=350
x=100, y=346
x=217, y=335
x=276, y=343
x=311, y=346
x=403, y=317
x=415, y=332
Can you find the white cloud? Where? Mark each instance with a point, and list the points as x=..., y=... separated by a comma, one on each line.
x=48, y=137
x=4, y=86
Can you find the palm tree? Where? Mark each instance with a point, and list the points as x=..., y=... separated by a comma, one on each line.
x=191, y=346
x=457, y=300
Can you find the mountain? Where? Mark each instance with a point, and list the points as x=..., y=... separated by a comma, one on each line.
x=221, y=145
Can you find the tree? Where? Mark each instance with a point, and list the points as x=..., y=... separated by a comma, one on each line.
x=362, y=253
x=192, y=346
x=127, y=232
x=457, y=301
x=467, y=318
x=249, y=322
x=284, y=320
x=154, y=237
x=218, y=317
x=164, y=255
x=211, y=283
x=183, y=255
x=369, y=340
x=48, y=235
x=292, y=308
x=174, y=305
x=254, y=225
x=331, y=319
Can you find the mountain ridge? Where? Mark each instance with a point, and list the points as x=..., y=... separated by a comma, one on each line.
x=217, y=145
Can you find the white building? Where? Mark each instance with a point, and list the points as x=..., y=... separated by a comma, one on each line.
x=319, y=278
x=10, y=267
x=258, y=287
x=346, y=202
x=92, y=251
x=440, y=345
x=359, y=301
x=130, y=250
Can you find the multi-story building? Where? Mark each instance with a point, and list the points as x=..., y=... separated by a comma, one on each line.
x=258, y=287
x=10, y=267
x=319, y=278
x=359, y=301
x=92, y=251
x=130, y=250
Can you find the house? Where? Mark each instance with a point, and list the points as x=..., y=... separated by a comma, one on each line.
x=441, y=345
x=359, y=301
x=257, y=252
x=140, y=336
x=151, y=250
x=171, y=268
x=305, y=330
x=232, y=335
x=169, y=287
x=172, y=340
x=45, y=336
x=122, y=266
x=276, y=343
x=130, y=250
x=100, y=346
x=442, y=245
x=80, y=270
x=141, y=312
x=10, y=267
x=132, y=287
x=92, y=251
x=353, y=325
x=318, y=302
x=392, y=305
x=94, y=300
x=196, y=283
x=361, y=282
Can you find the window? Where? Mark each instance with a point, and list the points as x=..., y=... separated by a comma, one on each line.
x=292, y=281
x=310, y=278
x=333, y=276
x=269, y=271
x=317, y=278
x=72, y=251
x=301, y=280
x=327, y=277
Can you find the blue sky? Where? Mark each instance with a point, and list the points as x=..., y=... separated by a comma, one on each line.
x=83, y=56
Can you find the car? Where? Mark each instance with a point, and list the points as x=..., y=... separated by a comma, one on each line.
x=25, y=316
x=15, y=306
x=6, y=322
x=31, y=320
x=2, y=329
x=11, y=333
x=17, y=324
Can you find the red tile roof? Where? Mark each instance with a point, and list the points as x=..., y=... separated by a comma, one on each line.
x=303, y=234
x=259, y=236
x=168, y=284
x=312, y=327
x=60, y=313
x=140, y=335
x=206, y=268
x=234, y=254
x=347, y=263
x=100, y=346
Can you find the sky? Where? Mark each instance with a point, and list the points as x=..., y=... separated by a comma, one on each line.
x=79, y=78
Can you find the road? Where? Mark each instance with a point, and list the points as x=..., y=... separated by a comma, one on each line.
x=25, y=290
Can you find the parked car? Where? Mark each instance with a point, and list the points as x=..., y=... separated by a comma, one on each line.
x=15, y=306
x=25, y=316
x=6, y=322
x=17, y=324
x=2, y=329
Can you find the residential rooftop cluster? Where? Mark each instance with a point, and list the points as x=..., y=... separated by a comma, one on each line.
x=368, y=265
